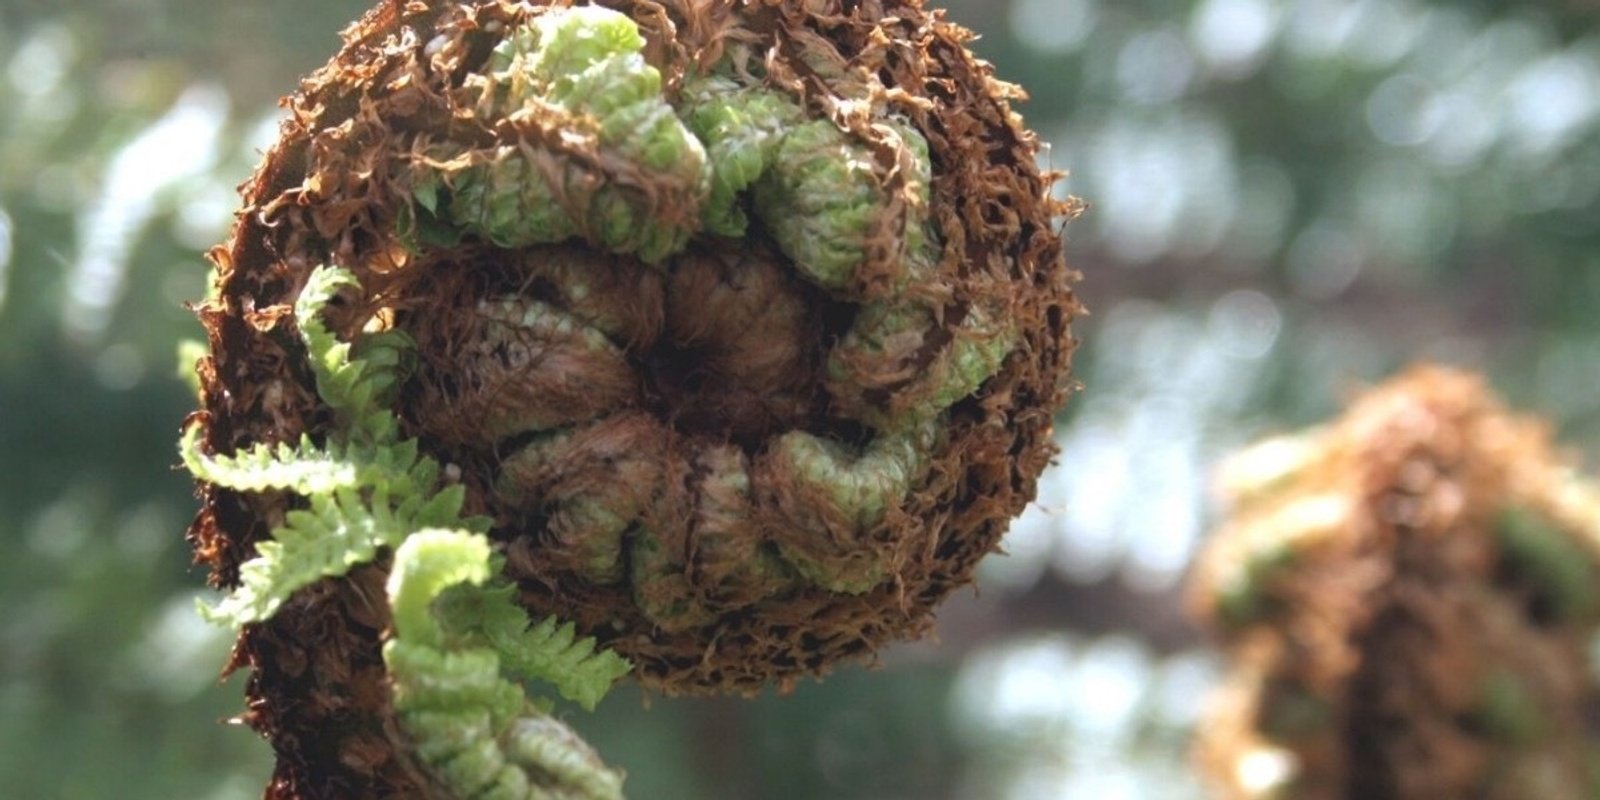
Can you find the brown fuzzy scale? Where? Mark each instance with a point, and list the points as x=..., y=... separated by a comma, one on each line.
x=727, y=350
x=745, y=344
x=1396, y=654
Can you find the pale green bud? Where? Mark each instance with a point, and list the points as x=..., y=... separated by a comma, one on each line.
x=639, y=191
x=741, y=129
x=820, y=200
x=838, y=485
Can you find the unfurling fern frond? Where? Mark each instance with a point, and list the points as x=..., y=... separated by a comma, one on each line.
x=367, y=490
x=476, y=729
x=358, y=389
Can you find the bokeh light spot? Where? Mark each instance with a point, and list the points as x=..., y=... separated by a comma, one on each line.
x=1053, y=26
x=1232, y=36
x=1245, y=323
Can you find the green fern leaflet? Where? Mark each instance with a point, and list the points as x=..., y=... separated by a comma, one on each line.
x=458, y=630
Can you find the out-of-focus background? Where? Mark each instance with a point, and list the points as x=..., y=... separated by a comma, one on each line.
x=1288, y=198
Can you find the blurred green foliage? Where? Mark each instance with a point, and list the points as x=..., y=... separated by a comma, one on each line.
x=1287, y=197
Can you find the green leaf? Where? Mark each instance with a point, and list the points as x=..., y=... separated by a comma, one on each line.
x=338, y=532
x=549, y=651
x=303, y=468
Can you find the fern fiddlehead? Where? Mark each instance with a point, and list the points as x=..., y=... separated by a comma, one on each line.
x=742, y=323
x=1407, y=596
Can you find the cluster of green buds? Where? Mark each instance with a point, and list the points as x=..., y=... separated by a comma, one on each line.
x=1407, y=596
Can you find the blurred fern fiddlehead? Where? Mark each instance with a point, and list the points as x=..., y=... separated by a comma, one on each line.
x=739, y=327
x=1407, y=596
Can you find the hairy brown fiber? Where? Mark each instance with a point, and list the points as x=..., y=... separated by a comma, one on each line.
x=1407, y=596
x=737, y=429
